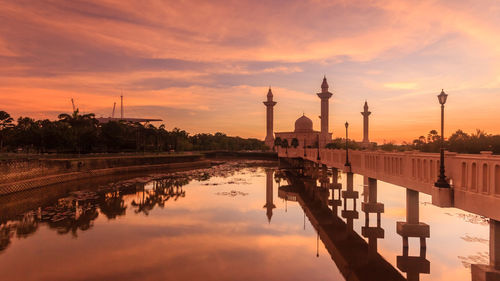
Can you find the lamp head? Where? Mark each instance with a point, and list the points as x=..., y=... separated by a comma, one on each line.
x=442, y=97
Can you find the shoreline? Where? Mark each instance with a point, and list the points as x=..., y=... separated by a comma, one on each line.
x=54, y=171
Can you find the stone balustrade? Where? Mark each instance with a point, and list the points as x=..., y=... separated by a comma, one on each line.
x=475, y=178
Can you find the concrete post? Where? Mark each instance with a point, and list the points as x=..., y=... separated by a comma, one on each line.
x=412, y=208
x=349, y=193
x=491, y=272
x=495, y=244
x=370, y=206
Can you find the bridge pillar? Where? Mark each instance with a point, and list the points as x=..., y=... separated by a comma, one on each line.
x=370, y=206
x=350, y=214
x=413, y=265
x=336, y=200
x=324, y=180
x=412, y=227
x=481, y=272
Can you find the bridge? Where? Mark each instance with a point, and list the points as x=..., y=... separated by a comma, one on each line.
x=355, y=258
x=474, y=180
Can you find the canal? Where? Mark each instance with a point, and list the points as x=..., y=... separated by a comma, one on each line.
x=228, y=222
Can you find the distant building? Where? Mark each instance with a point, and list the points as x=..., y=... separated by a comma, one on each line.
x=103, y=120
x=304, y=132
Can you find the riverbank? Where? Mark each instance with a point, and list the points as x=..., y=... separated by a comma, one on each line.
x=25, y=174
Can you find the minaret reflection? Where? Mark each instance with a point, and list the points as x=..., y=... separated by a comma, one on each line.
x=350, y=214
x=269, y=194
x=413, y=265
x=370, y=206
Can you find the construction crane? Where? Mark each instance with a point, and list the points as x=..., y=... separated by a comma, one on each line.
x=113, y=113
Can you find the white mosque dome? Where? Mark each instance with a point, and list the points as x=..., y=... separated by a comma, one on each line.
x=303, y=125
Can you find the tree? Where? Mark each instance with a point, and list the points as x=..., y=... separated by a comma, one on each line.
x=82, y=129
x=295, y=143
x=278, y=142
x=5, y=123
x=284, y=144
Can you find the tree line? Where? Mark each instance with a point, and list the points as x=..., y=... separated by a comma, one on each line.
x=82, y=133
x=459, y=141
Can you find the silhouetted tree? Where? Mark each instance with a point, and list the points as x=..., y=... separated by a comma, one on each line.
x=5, y=123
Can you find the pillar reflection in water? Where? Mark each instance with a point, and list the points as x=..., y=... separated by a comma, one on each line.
x=346, y=247
x=269, y=195
x=371, y=206
x=336, y=188
x=350, y=214
x=413, y=265
x=490, y=272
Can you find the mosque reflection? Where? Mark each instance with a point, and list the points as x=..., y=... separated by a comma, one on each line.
x=332, y=210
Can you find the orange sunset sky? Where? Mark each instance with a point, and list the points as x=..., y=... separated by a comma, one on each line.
x=204, y=66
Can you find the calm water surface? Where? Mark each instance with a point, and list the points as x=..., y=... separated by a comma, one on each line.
x=213, y=224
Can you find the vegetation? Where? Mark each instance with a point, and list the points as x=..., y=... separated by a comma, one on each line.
x=459, y=141
x=339, y=143
x=82, y=133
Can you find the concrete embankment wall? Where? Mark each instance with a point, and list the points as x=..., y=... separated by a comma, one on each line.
x=25, y=174
x=19, y=175
x=242, y=155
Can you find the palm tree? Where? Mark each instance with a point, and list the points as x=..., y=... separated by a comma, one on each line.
x=80, y=125
x=5, y=122
x=295, y=142
x=277, y=142
x=284, y=144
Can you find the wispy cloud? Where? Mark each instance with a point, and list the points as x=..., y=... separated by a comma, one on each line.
x=215, y=59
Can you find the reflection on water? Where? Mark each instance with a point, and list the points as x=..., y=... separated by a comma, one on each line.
x=248, y=220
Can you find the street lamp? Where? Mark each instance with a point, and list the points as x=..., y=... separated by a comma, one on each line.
x=347, y=163
x=305, y=155
x=318, y=158
x=441, y=182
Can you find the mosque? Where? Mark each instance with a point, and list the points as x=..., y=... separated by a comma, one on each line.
x=304, y=132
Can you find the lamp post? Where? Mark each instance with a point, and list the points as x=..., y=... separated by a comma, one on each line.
x=347, y=163
x=318, y=158
x=441, y=182
x=305, y=155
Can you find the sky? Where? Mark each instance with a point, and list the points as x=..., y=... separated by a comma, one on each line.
x=206, y=66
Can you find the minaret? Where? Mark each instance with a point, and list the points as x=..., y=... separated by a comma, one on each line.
x=324, y=96
x=269, y=119
x=269, y=194
x=365, y=113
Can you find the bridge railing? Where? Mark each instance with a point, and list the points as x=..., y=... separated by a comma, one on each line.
x=475, y=178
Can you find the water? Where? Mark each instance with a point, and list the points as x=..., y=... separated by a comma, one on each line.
x=211, y=225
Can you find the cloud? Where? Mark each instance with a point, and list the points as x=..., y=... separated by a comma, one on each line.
x=218, y=57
